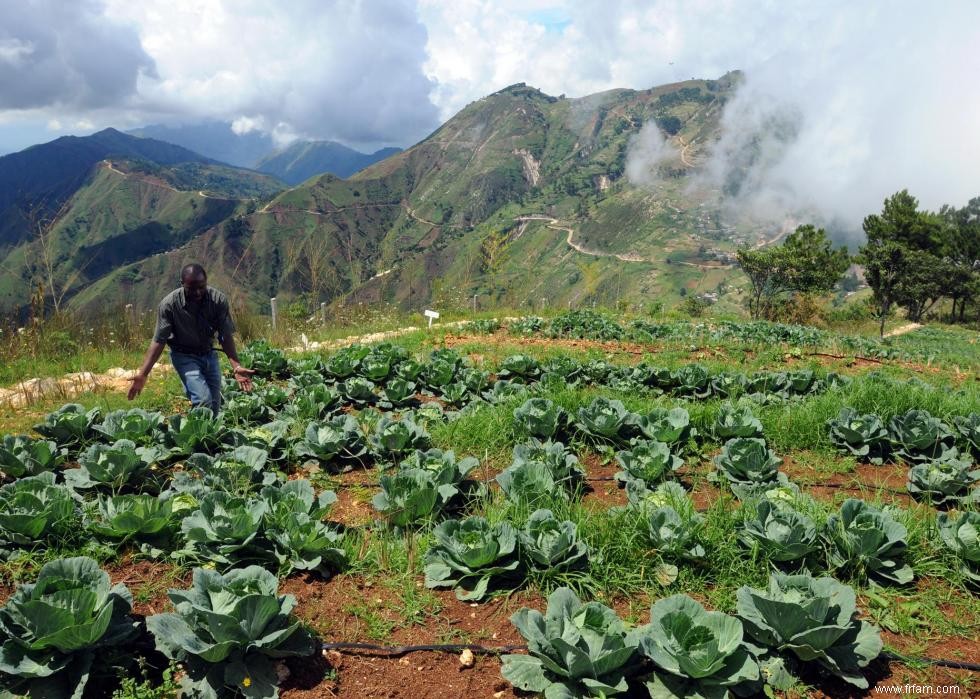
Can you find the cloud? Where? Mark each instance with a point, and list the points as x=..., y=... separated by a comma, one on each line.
x=869, y=100
x=647, y=150
x=350, y=71
x=66, y=55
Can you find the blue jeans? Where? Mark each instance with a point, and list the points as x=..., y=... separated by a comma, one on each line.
x=201, y=376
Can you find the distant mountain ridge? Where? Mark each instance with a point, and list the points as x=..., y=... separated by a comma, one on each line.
x=296, y=163
x=44, y=175
x=302, y=160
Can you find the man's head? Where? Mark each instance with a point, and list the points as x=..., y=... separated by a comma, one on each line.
x=195, y=281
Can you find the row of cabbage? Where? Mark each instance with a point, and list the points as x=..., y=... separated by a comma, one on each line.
x=592, y=325
x=71, y=633
x=941, y=455
x=387, y=375
x=71, y=629
x=578, y=650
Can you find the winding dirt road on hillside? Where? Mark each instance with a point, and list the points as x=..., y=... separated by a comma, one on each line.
x=553, y=224
x=164, y=185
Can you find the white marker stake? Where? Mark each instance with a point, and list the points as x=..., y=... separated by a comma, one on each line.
x=431, y=315
x=275, y=309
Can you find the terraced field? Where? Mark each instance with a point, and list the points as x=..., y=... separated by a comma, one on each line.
x=569, y=507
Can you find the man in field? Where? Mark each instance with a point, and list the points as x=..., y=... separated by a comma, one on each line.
x=188, y=319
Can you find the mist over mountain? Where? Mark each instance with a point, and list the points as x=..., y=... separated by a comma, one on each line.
x=214, y=139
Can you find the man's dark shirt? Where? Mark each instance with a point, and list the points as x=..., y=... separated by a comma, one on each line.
x=190, y=327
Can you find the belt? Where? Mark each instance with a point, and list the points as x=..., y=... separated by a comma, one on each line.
x=196, y=352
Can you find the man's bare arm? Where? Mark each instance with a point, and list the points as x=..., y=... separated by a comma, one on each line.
x=139, y=381
x=242, y=375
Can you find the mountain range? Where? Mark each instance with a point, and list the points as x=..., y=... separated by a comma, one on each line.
x=293, y=164
x=522, y=198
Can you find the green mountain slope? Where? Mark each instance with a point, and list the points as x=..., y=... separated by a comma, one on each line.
x=302, y=160
x=521, y=198
x=126, y=211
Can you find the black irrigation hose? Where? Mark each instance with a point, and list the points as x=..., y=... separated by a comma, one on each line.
x=398, y=651
x=942, y=662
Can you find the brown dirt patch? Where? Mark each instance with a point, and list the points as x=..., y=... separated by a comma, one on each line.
x=603, y=491
x=354, y=490
x=865, y=481
x=149, y=582
x=349, y=609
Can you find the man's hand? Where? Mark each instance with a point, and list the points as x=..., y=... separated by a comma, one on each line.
x=139, y=381
x=244, y=377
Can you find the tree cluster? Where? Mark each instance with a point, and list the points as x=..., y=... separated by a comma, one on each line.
x=914, y=258
x=805, y=263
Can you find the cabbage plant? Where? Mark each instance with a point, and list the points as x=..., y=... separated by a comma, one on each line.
x=540, y=471
x=238, y=471
x=24, y=456
x=223, y=529
x=919, y=436
x=65, y=631
x=519, y=367
x=692, y=380
x=315, y=402
x=650, y=462
x=137, y=425
x=864, y=436
x=345, y=361
x=868, y=543
x=695, y=653
x=539, y=417
x=736, y=420
x=69, y=426
x=968, y=428
x=672, y=427
x=294, y=526
x=272, y=437
x=468, y=554
x=748, y=460
x=393, y=439
x=244, y=409
x=673, y=535
x=196, y=431
x=358, y=390
x=551, y=546
x=780, y=532
x=502, y=391
x=230, y=632
x=800, y=619
x=532, y=482
x=575, y=650
x=423, y=485
x=112, y=467
x=945, y=480
x=142, y=518
x=339, y=437
x=265, y=359
x=961, y=535
x=606, y=420
x=398, y=392
x=35, y=511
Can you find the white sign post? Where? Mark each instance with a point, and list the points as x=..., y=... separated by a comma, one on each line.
x=431, y=315
x=275, y=311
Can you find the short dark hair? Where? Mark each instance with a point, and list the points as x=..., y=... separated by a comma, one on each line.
x=192, y=270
